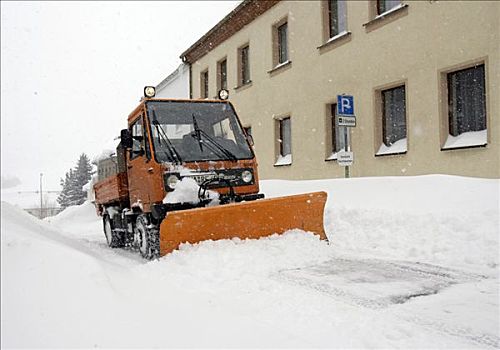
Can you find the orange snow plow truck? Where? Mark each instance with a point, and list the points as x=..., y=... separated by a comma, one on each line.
x=186, y=173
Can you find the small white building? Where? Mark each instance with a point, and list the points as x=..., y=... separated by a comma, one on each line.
x=176, y=85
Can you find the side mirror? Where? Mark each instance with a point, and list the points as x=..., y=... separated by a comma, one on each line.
x=126, y=138
x=250, y=140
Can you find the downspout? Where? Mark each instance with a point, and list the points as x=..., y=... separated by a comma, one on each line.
x=190, y=81
x=184, y=59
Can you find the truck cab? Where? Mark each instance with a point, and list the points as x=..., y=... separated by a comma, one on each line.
x=168, y=140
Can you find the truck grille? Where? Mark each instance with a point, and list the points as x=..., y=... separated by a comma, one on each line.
x=219, y=178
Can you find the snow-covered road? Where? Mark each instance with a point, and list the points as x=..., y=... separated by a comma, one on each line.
x=413, y=263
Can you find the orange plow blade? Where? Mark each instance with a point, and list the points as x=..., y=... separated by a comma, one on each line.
x=253, y=220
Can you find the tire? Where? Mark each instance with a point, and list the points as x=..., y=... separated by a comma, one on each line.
x=113, y=239
x=147, y=238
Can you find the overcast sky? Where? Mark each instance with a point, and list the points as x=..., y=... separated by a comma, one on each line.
x=71, y=72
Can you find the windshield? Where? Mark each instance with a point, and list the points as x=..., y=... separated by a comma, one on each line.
x=196, y=131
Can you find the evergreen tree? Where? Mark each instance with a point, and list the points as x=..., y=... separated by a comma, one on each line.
x=83, y=170
x=72, y=192
x=62, y=199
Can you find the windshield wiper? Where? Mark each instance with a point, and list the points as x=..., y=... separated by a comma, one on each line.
x=172, y=152
x=199, y=133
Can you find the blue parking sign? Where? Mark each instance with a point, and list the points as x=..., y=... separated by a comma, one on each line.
x=345, y=105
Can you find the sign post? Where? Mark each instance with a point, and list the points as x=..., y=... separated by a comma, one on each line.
x=346, y=119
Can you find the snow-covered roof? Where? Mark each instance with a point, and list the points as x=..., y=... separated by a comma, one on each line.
x=108, y=149
x=172, y=76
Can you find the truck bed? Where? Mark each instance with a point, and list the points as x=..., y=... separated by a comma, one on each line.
x=112, y=189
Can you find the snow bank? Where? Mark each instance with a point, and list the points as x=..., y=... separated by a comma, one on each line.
x=428, y=194
x=436, y=218
x=231, y=260
x=469, y=241
x=51, y=284
x=76, y=215
x=63, y=287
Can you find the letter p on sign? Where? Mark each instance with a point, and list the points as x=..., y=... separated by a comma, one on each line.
x=345, y=105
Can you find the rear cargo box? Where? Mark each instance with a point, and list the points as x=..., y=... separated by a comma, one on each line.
x=112, y=189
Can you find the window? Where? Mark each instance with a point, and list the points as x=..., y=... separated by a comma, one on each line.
x=386, y=5
x=285, y=137
x=223, y=130
x=244, y=62
x=282, y=43
x=466, y=100
x=338, y=137
x=147, y=150
x=280, y=56
x=337, y=17
x=382, y=12
x=204, y=84
x=137, y=139
x=393, y=121
x=217, y=131
x=222, y=75
x=284, y=141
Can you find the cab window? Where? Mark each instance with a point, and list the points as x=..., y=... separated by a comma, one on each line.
x=137, y=139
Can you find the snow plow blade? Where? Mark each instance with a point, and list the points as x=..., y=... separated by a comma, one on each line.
x=252, y=220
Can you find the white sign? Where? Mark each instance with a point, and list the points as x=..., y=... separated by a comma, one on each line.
x=349, y=121
x=345, y=158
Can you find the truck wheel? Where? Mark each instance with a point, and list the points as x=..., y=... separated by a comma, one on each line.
x=148, y=240
x=114, y=240
x=141, y=226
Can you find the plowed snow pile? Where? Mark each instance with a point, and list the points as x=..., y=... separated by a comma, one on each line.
x=413, y=262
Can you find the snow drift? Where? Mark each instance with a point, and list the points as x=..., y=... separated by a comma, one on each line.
x=430, y=241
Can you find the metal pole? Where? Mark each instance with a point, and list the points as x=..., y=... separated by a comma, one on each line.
x=41, y=197
x=346, y=148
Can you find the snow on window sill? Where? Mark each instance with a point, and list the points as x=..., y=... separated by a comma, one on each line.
x=466, y=140
x=386, y=14
x=243, y=86
x=332, y=156
x=284, y=160
x=398, y=147
x=335, y=39
x=279, y=67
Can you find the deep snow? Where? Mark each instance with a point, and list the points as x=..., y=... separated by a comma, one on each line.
x=413, y=262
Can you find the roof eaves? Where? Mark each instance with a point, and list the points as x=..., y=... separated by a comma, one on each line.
x=191, y=54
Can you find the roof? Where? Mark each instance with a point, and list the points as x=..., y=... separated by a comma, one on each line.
x=171, y=76
x=242, y=15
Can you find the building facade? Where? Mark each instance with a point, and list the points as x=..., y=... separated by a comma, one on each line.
x=424, y=75
x=176, y=85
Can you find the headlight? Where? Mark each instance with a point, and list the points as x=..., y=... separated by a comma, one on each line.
x=246, y=176
x=172, y=181
x=223, y=94
x=149, y=91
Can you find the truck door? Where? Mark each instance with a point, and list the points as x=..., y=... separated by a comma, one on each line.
x=139, y=166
